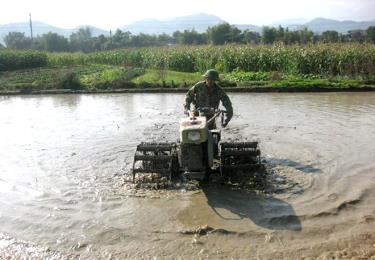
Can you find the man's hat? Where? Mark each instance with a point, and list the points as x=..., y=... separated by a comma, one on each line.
x=211, y=74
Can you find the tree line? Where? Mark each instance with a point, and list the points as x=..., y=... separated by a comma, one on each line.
x=224, y=33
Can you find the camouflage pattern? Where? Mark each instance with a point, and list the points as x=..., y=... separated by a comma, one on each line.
x=211, y=74
x=202, y=96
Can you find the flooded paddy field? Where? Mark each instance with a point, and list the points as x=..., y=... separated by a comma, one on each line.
x=65, y=164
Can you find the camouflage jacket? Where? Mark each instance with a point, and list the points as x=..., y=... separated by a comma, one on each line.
x=201, y=96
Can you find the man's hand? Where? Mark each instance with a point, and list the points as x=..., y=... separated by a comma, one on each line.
x=226, y=121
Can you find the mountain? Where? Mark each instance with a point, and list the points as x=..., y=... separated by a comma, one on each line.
x=320, y=25
x=317, y=25
x=289, y=22
x=292, y=24
x=250, y=27
x=40, y=28
x=199, y=22
x=95, y=31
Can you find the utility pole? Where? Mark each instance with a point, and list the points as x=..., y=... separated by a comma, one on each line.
x=31, y=27
x=110, y=38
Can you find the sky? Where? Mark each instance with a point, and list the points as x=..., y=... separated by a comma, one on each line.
x=112, y=14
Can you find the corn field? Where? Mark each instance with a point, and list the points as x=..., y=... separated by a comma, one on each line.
x=319, y=59
x=15, y=60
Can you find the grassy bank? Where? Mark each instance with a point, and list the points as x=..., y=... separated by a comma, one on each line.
x=109, y=78
x=90, y=77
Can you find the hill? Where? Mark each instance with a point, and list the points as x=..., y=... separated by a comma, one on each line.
x=40, y=28
x=320, y=25
x=199, y=22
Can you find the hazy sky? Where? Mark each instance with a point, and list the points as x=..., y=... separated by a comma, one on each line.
x=111, y=14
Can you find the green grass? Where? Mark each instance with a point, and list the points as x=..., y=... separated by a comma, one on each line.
x=107, y=77
x=168, y=78
x=277, y=79
x=88, y=77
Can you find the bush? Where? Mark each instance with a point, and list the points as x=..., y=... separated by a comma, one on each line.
x=241, y=76
x=70, y=81
x=15, y=60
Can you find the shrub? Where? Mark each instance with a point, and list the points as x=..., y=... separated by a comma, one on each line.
x=15, y=60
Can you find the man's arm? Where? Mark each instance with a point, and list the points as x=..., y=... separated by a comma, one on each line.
x=189, y=98
x=228, y=107
x=227, y=104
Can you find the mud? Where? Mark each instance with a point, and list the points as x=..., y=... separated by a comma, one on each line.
x=66, y=189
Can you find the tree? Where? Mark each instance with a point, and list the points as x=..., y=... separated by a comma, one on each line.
x=177, y=37
x=17, y=40
x=189, y=37
x=344, y=37
x=356, y=35
x=280, y=34
x=53, y=42
x=250, y=37
x=330, y=36
x=269, y=35
x=100, y=43
x=81, y=40
x=235, y=35
x=223, y=33
x=305, y=36
x=165, y=39
x=1, y=46
x=288, y=37
x=142, y=40
x=121, y=39
x=295, y=37
x=219, y=34
x=371, y=34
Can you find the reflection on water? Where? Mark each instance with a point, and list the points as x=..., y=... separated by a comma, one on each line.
x=63, y=159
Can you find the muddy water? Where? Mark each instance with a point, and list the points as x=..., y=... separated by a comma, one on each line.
x=64, y=190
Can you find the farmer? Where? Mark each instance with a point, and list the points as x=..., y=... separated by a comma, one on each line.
x=208, y=94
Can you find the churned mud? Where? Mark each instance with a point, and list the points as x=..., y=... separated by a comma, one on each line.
x=66, y=189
